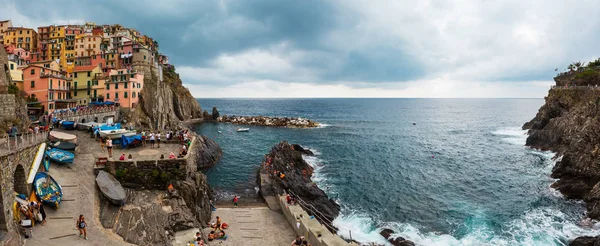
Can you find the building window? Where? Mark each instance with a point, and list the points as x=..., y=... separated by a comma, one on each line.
x=138, y=85
x=33, y=71
x=116, y=85
x=32, y=84
x=116, y=95
x=108, y=86
x=89, y=74
x=125, y=85
x=107, y=96
x=88, y=92
x=50, y=106
x=50, y=84
x=132, y=76
x=12, y=66
x=75, y=75
x=133, y=94
x=125, y=94
x=75, y=85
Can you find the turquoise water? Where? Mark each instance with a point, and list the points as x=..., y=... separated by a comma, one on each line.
x=459, y=175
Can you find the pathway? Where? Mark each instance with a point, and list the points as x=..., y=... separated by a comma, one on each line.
x=253, y=226
x=79, y=197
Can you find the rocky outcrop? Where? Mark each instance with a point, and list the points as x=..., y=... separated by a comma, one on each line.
x=269, y=121
x=163, y=104
x=586, y=241
x=196, y=192
x=569, y=124
x=208, y=152
x=287, y=159
x=5, y=78
x=13, y=109
x=398, y=241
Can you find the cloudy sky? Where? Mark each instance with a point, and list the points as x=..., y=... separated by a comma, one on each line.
x=349, y=48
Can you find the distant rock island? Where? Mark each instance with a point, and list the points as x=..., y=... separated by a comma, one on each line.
x=569, y=124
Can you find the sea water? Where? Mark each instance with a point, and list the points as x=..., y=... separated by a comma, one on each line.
x=436, y=171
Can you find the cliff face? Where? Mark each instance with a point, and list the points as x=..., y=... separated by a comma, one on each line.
x=13, y=109
x=569, y=124
x=164, y=104
x=287, y=158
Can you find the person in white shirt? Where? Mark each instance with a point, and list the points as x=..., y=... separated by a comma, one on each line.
x=158, y=139
x=152, y=139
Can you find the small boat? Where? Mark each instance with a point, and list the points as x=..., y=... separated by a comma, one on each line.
x=243, y=129
x=111, y=188
x=114, y=134
x=36, y=163
x=47, y=163
x=220, y=132
x=131, y=141
x=47, y=189
x=68, y=125
x=63, y=137
x=59, y=155
x=63, y=145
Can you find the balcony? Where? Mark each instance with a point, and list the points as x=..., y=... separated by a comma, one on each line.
x=47, y=75
x=60, y=88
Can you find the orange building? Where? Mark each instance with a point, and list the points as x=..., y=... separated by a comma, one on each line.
x=49, y=86
x=124, y=87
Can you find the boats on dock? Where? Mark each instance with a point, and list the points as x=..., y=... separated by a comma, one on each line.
x=59, y=155
x=47, y=190
x=111, y=188
x=243, y=130
x=116, y=134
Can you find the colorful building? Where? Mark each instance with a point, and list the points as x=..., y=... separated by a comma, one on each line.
x=21, y=37
x=71, y=32
x=82, y=83
x=124, y=87
x=87, y=45
x=16, y=74
x=4, y=25
x=50, y=87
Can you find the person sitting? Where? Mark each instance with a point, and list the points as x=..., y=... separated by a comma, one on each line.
x=130, y=157
x=199, y=242
x=162, y=157
x=222, y=236
x=211, y=236
x=172, y=155
x=288, y=198
x=122, y=158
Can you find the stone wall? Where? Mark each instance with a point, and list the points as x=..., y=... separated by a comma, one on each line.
x=153, y=174
x=8, y=106
x=5, y=79
x=14, y=169
x=96, y=117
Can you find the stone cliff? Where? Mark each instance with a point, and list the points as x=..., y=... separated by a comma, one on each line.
x=163, y=104
x=569, y=124
x=287, y=158
x=13, y=109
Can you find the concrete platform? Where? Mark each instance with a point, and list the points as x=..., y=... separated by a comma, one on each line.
x=253, y=226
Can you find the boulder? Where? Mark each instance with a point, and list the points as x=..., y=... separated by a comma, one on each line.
x=398, y=241
x=586, y=241
x=215, y=113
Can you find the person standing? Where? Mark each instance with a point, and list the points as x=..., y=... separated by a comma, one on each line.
x=81, y=225
x=102, y=143
x=152, y=139
x=235, y=201
x=144, y=138
x=109, y=146
x=158, y=139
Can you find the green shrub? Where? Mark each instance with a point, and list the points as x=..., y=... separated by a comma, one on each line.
x=587, y=74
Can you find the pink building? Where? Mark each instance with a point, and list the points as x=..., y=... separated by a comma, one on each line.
x=124, y=87
x=51, y=88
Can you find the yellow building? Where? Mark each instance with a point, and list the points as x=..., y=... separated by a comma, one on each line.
x=56, y=43
x=16, y=74
x=84, y=84
x=21, y=37
x=4, y=25
x=87, y=45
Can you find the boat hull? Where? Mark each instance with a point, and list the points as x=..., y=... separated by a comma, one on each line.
x=116, y=135
x=111, y=188
x=60, y=156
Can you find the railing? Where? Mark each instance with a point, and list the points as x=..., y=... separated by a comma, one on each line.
x=314, y=212
x=11, y=144
x=87, y=111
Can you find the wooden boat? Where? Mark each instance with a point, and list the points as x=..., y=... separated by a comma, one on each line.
x=68, y=125
x=36, y=163
x=63, y=145
x=111, y=188
x=116, y=134
x=243, y=129
x=63, y=137
x=59, y=155
x=47, y=189
x=46, y=163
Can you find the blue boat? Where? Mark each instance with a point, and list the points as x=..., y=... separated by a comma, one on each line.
x=47, y=189
x=60, y=156
x=68, y=125
x=46, y=162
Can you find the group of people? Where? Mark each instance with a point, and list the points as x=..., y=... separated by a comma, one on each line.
x=122, y=157
x=300, y=241
x=105, y=141
x=33, y=211
x=220, y=227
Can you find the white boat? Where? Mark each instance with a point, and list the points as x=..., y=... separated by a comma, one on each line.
x=36, y=163
x=113, y=134
x=243, y=129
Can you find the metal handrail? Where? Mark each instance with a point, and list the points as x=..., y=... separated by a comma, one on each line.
x=11, y=144
x=315, y=212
